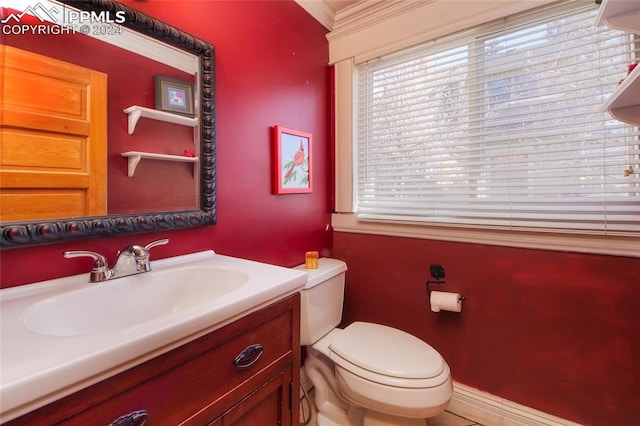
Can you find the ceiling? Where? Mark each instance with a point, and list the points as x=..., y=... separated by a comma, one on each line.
x=325, y=11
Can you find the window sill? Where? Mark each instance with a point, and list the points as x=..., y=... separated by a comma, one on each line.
x=614, y=245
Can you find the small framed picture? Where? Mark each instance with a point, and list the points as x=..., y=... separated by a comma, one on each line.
x=174, y=96
x=292, y=161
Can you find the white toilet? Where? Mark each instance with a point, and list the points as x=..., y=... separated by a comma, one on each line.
x=366, y=374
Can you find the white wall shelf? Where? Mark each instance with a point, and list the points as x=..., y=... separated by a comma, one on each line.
x=135, y=112
x=134, y=158
x=624, y=104
x=620, y=14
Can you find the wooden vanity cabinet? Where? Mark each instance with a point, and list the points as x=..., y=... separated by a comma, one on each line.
x=199, y=383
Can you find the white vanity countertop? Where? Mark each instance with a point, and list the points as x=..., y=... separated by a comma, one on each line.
x=37, y=369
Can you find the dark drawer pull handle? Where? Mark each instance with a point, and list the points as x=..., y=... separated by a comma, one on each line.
x=134, y=418
x=248, y=356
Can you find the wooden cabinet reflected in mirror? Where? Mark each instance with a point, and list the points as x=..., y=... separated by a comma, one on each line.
x=160, y=194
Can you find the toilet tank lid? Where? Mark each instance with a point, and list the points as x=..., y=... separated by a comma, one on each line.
x=327, y=269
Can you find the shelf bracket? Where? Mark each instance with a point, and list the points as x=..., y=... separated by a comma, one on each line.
x=132, y=164
x=134, y=116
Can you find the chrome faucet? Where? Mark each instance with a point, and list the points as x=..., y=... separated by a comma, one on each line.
x=134, y=259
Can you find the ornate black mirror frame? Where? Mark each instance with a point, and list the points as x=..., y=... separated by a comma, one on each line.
x=38, y=232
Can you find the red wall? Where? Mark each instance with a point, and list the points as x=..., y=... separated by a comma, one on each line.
x=271, y=68
x=558, y=332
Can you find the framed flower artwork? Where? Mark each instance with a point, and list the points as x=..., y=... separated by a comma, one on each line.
x=292, y=161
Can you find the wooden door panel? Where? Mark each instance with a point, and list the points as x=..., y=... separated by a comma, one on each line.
x=43, y=181
x=40, y=93
x=25, y=150
x=37, y=83
x=40, y=203
x=43, y=122
x=54, y=143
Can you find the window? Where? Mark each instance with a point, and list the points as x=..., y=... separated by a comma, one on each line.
x=501, y=126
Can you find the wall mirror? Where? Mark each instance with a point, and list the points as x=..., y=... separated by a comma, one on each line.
x=134, y=51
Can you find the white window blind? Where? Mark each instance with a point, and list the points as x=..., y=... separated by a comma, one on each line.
x=501, y=126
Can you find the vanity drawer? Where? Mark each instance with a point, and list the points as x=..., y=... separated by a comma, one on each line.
x=196, y=382
x=188, y=388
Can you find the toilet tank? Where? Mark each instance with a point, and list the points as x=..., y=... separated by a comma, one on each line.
x=321, y=299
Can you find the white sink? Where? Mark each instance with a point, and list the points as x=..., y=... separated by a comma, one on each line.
x=62, y=335
x=117, y=304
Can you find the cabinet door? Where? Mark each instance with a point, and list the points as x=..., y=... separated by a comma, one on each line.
x=268, y=405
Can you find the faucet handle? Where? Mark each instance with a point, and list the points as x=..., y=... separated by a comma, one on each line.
x=100, y=271
x=156, y=243
x=142, y=253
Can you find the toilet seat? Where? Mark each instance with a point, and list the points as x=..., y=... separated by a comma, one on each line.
x=388, y=356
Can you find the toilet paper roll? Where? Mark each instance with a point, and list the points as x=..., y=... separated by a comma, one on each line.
x=443, y=301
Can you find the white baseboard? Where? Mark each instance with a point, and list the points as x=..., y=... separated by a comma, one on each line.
x=490, y=410
x=486, y=409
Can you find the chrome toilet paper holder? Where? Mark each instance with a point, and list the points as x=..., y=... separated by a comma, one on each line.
x=437, y=272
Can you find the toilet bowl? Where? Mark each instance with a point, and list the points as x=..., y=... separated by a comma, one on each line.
x=366, y=374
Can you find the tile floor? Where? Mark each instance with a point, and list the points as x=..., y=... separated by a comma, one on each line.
x=450, y=419
x=444, y=419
